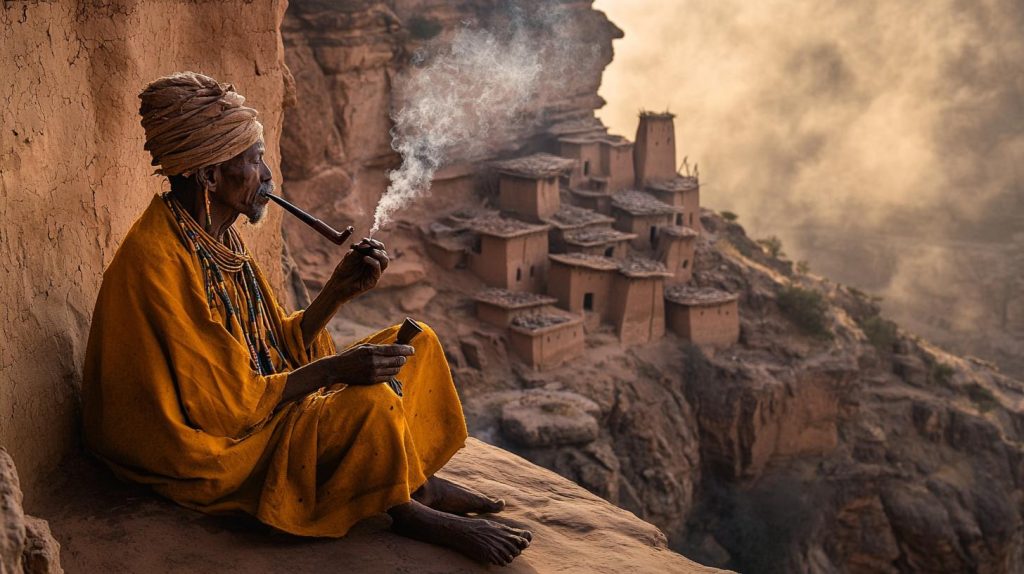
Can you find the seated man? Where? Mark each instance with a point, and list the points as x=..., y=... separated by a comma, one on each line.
x=198, y=384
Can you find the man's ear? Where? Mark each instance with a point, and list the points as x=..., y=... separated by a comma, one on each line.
x=209, y=177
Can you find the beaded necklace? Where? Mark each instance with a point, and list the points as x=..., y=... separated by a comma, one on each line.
x=216, y=258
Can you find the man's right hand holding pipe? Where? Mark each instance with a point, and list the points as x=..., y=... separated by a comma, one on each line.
x=359, y=271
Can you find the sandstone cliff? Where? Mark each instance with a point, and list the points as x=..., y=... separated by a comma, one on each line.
x=74, y=176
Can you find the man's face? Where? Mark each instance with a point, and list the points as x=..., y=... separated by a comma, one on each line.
x=241, y=180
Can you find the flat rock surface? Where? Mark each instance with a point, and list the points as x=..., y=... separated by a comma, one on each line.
x=104, y=526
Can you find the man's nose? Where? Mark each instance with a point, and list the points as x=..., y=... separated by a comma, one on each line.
x=266, y=174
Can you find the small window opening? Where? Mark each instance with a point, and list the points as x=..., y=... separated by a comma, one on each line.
x=586, y=168
x=531, y=270
x=476, y=245
x=609, y=252
x=588, y=301
x=519, y=274
x=654, y=234
x=686, y=263
x=679, y=219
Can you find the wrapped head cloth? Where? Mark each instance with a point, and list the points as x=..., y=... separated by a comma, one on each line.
x=192, y=121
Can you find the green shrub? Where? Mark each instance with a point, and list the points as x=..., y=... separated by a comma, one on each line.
x=806, y=309
x=423, y=28
x=982, y=397
x=880, y=332
x=729, y=216
x=772, y=245
x=942, y=374
x=803, y=267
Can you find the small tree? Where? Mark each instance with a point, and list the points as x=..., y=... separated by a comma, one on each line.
x=729, y=216
x=772, y=245
x=806, y=309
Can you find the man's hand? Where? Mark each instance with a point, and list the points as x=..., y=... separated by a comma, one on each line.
x=360, y=269
x=370, y=364
x=360, y=365
x=358, y=272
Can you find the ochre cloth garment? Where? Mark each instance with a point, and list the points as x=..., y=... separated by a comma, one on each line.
x=170, y=399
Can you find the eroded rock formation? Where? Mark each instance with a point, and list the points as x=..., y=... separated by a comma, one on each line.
x=26, y=545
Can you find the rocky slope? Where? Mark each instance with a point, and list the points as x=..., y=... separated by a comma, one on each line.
x=825, y=441
x=26, y=545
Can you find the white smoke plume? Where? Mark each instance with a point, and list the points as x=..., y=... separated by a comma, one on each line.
x=452, y=104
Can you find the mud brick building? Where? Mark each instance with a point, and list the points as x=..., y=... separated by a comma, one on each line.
x=654, y=150
x=500, y=306
x=637, y=305
x=675, y=250
x=545, y=340
x=641, y=214
x=509, y=253
x=682, y=192
x=703, y=316
x=529, y=186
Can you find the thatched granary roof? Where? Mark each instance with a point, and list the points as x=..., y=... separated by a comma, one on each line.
x=698, y=296
x=513, y=299
x=536, y=166
x=640, y=203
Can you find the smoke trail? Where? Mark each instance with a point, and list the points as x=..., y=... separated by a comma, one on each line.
x=453, y=104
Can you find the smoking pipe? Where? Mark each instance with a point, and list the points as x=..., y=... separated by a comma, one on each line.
x=406, y=333
x=332, y=235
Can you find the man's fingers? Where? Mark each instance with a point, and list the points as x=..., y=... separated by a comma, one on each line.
x=372, y=262
x=388, y=362
x=381, y=256
x=394, y=350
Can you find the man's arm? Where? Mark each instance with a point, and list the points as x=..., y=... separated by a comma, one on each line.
x=358, y=272
x=360, y=365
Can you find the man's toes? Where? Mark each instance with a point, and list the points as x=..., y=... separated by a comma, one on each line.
x=521, y=542
x=524, y=534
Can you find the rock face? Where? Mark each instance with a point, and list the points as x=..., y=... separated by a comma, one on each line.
x=111, y=528
x=26, y=545
x=346, y=58
x=74, y=175
x=858, y=448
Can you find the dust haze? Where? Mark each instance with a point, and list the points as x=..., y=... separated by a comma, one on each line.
x=461, y=101
x=881, y=141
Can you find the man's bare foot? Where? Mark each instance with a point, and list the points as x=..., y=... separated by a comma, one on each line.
x=446, y=496
x=481, y=540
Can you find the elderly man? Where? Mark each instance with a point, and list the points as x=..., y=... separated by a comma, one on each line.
x=198, y=384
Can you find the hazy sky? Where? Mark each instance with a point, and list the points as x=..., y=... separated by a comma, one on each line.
x=841, y=110
x=882, y=140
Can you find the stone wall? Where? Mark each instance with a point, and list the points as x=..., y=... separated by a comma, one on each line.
x=74, y=176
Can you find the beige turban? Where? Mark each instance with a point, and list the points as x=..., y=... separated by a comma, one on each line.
x=192, y=121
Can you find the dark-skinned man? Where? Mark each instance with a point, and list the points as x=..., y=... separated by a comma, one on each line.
x=198, y=384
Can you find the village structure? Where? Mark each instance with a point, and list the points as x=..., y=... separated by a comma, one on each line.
x=596, y=231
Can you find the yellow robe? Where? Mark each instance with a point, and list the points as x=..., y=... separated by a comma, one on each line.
x=170, y=400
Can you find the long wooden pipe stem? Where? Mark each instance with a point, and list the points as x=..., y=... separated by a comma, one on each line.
x=332, y=235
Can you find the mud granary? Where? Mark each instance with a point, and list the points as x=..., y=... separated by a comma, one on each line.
x=589, y=232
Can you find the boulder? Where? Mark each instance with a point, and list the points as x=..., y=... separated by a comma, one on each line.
x=26, y=545
x=550, y=418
